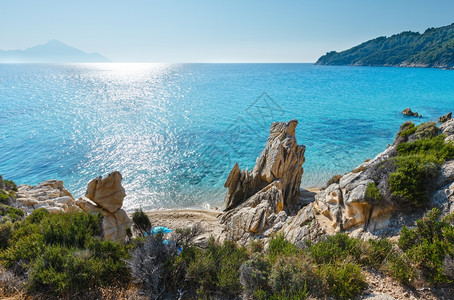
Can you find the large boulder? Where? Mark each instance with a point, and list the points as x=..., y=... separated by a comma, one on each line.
x=50, y=194
x=257, y=202
x=281, y=161
x=107, y=193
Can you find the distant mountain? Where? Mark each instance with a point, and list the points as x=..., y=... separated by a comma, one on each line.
x=434, y=49
x=51, y=52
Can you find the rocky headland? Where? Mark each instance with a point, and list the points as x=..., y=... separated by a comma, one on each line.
x=360, y=203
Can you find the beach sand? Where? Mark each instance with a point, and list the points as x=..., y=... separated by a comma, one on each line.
x=183, y=218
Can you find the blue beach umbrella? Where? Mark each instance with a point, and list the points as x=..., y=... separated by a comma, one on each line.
x=160, y=229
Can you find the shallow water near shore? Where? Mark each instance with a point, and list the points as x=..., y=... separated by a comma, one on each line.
x=174, y=131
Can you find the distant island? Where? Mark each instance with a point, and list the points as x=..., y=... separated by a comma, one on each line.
x=51, y=52
x=432, y=49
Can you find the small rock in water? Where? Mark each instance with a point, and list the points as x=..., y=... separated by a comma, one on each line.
x=409, y=112
x=445, y=118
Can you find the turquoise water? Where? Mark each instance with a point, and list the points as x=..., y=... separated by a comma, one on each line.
x=175, y=131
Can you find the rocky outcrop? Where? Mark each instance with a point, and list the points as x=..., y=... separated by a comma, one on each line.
x=445, y=118
x=2, y=185
x=346, y=206
x=410, y=113
x=108, y=195
x=257, y=202
x=447, y=129
x=280, y=162
x=50, y=194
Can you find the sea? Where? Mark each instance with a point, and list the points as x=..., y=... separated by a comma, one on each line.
x=174, y=131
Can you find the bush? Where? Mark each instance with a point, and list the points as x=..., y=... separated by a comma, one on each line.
x=4, y=197
x=375, y=252
x=9, y=213
x=278, y=245
x=293, y=275
x=148, y=263
x=373, y=194
x=62, y=254
x=418, y=165
x=427, y=130
x=400, y=268
x=254, y=275
x=335, y=179
x=406, y=129
x=343, y=279
x=185, y=236
x=5, y=234
x=339, y=246
x=216, y=270
x=142, y=224
x=428, y=244
x=10, y=185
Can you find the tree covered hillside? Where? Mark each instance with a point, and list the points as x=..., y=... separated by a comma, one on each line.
x=434, y=48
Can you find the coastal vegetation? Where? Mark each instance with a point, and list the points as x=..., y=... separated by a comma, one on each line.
x=62, y=254
x=66, y=254
x=433, y=48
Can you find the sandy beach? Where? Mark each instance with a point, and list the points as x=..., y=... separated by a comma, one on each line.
x=183, y=218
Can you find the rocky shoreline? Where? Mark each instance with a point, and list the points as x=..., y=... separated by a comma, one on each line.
x=371, y=206
x=268, y=199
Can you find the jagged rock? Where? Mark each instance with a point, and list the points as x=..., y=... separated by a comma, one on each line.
x=107, y=193
x=409, y=112
x=50, y=194
x=256, y=201
x=2, y=185
x=281, y=160
x=445, y=118
x=447, y=129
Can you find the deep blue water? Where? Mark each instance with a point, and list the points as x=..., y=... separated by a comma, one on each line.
x=175, y=131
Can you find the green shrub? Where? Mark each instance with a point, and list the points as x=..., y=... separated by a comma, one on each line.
x=375, y=252
x=10, y=185
x=418, y=165
x=4, y=197
x=142, y=224
x=407, y=129
x=216, y=270
x=339, y=246
x=62, y=254
x=343, y=279
x=5, y=234
x=278, y=245
x=254, y=275
x=293, y=275
x=400, y=268
x=435, y=147
x=11, y=213
x=373, y=193
x=256, y=246
x=411, y=180
x=428, y=244
x=427, y=130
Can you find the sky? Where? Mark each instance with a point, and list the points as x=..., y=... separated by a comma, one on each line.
x=213, y=30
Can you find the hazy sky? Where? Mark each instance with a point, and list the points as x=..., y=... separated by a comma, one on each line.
x=212, y=30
